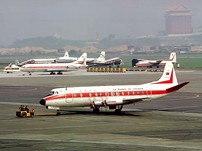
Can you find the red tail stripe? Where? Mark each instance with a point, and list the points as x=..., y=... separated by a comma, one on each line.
x=167, y=81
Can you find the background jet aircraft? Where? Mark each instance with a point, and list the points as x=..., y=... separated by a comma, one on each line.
x=36, y=61
x=101, y=61
x=113, y=97
x=153, y=63
x=66, y=58
x=56, y=67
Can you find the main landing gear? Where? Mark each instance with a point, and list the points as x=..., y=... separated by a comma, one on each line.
x=53, y=73
x=96, y=108
x=58, y=113
x=119, y=108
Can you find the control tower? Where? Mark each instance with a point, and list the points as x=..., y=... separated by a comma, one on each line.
x=179, y=20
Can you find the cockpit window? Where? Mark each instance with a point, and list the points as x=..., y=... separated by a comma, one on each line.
x=52, y=93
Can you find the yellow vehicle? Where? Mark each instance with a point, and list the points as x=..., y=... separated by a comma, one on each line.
x=25, y=112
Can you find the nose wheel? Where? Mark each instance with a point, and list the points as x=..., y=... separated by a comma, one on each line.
x=96, y=110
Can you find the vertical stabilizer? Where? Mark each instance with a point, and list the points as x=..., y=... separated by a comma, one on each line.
x=101, y=58
x=173, y=57
x=81, y=59
x=66, y=55
x=168, y=76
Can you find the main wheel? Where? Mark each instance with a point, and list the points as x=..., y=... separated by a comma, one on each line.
x=58, y=113
x=118, y=111
x=96, y=110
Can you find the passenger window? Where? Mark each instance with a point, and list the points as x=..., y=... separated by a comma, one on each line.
x=74, y=95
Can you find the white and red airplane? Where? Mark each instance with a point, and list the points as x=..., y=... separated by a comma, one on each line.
x=56, y=67
x=113, y=97
x=153, y=63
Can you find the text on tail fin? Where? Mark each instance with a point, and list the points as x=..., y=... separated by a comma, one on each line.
x=168, y=76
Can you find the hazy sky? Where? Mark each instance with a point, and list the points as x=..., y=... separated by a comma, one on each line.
x=82, y=19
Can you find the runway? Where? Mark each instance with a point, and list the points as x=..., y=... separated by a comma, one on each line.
x=173, y=122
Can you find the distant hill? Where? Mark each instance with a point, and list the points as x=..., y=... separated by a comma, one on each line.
x=49, y=42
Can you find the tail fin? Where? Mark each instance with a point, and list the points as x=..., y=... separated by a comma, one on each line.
x=66, y=55
x=101, y=57
x=169, y=76
x=81, y=59
x=17, y=62
x=173, y=57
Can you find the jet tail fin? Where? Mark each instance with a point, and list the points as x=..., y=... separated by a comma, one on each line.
x=173, y=57
x=66, y=55
x=81, y=59
x=17, y=62
x=168, y=76
x=101, y=58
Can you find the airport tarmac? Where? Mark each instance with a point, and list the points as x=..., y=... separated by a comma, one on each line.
x=173, y=122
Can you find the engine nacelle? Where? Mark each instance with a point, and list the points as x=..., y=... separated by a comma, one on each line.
x=114, y=101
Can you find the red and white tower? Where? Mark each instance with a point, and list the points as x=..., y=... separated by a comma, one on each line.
x=179, y=20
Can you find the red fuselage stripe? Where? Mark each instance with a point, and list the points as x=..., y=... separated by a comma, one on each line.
x=32, y=67
x=103, y=94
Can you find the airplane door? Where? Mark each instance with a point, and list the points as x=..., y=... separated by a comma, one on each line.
x=149, y=92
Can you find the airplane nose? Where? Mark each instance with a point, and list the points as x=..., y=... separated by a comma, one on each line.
x=42, y=102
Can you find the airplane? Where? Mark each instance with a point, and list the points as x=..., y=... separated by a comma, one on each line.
x=49, y=60
x=56, y=67
x=101, y=61
x=11, y=68
x=66, y=58
x=154, y=63
x=35, y=61
x=113, y=97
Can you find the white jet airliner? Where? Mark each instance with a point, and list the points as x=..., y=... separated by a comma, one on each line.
x=66, y=58
x=113, y=97
x=152, y=63
x=56, y=67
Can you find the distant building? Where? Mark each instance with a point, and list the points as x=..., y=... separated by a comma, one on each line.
x=179, y=20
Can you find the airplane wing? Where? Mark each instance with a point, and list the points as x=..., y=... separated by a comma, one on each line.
x=129, y=101
x=155, y=63
x=124, y=101
x=57, y=70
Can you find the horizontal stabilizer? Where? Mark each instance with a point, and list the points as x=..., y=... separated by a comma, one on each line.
x=177, y=87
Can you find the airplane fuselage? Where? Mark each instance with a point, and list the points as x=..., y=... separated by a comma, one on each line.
x=49, y=67
x=113, y=97
x=102, y=95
